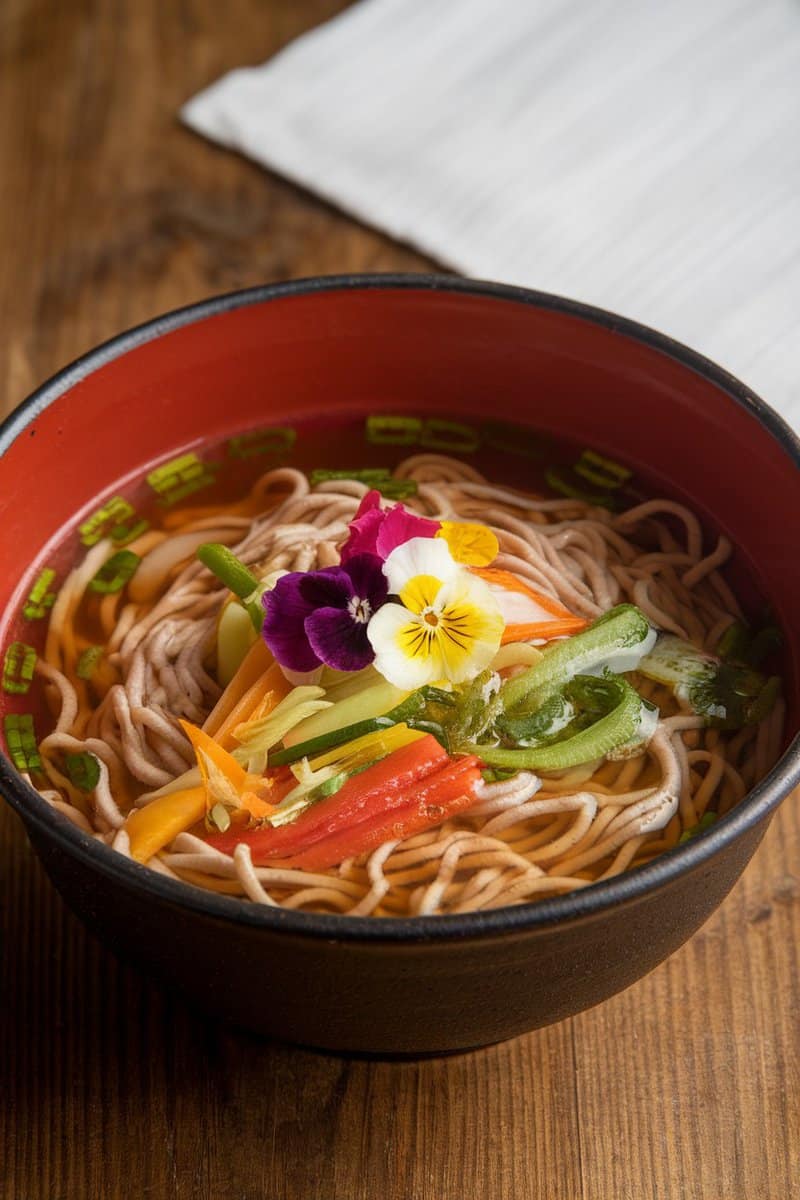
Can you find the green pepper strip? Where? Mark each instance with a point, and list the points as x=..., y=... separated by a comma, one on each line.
x=618, y=629
x=619, y=727
x=236, y=576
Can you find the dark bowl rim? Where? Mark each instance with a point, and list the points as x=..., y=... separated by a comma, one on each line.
x=592, y=901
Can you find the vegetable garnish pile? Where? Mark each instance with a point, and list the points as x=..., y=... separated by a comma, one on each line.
x=365, y=702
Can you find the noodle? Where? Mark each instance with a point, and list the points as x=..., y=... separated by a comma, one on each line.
x=526, y=837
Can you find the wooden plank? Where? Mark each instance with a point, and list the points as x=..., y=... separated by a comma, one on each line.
x=684, y=1087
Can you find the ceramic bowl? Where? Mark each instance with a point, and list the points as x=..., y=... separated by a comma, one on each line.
x=462, y=354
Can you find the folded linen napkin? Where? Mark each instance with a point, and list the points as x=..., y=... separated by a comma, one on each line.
x=644, y=157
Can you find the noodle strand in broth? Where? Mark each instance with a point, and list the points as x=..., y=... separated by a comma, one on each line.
x=527, y=837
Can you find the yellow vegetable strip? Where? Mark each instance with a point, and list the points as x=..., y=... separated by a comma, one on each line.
x=369, y=747
x=153, y=827
x=209, y=751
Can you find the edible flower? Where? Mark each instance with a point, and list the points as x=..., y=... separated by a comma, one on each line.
x=321, y=617
x=470, y=544
x=378, y=531
x=447, y=625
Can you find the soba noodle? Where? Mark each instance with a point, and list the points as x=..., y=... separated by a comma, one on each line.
x=527, y=837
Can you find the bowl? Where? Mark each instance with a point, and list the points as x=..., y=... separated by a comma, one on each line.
x=453, y=353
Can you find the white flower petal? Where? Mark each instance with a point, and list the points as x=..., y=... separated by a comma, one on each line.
x=419, y=556
x=385, y=633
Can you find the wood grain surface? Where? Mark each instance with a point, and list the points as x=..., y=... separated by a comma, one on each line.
x=685, y=1087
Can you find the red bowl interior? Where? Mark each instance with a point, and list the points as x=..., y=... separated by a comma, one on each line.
x=336, y=350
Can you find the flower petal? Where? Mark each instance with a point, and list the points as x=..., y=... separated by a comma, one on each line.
x=284, y=623
x=420, y=556
x=338, y=640
x=367, y=580
x=403, y=651
x=400, y=526
x=374, y=530
x=471, y=544
x=329, y=587
x=364, y=528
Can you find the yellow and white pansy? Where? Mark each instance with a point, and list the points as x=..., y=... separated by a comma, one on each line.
x=447, y=624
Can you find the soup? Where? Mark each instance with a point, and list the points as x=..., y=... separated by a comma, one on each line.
x=397, y=689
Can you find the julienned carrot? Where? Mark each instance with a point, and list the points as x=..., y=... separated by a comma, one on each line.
x=432, y=801
x=153, y=827
x=542, y=629
x=272, y=682
x=379, y=788
x=512, y=583
x=562, y=622
x=254, y=664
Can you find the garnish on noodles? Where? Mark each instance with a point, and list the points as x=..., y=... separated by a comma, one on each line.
x=469, y=698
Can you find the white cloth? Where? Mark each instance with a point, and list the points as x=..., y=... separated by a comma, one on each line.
x=641, y=155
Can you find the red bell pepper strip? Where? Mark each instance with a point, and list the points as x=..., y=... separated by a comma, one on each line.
x=379, y=788
x=431, y=802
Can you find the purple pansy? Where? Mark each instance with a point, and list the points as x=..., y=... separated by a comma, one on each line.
x=318, y=617
x=379, y=531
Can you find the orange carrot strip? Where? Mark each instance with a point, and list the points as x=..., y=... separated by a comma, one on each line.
x=542, y=629
x=512, y=583
x=254, y=703
x=563, y=624
x=254, y=664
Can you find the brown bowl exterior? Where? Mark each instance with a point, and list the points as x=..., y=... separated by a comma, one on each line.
x=424, y=994
x=346, y=347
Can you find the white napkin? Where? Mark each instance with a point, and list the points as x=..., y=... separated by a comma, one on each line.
x=642, y=155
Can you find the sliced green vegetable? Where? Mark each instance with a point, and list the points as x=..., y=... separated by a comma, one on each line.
x=617, y=640
x=498, y=774
x=705, y=822
x=257, y=738
x=739, y=644
x=235, y=636
x=726, y=695
x=412, y=711
x=546, y=724
x=625, y=725
x=40, y=598
x=83, y=770
x=236, y=576
x=311, y=787
x=23, y=746
x=115, y=573
x=372, y=700
x=19, y=664
x=734, y=642
x=88, y=661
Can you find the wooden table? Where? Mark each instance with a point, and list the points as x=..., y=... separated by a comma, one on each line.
x=686, y=1086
